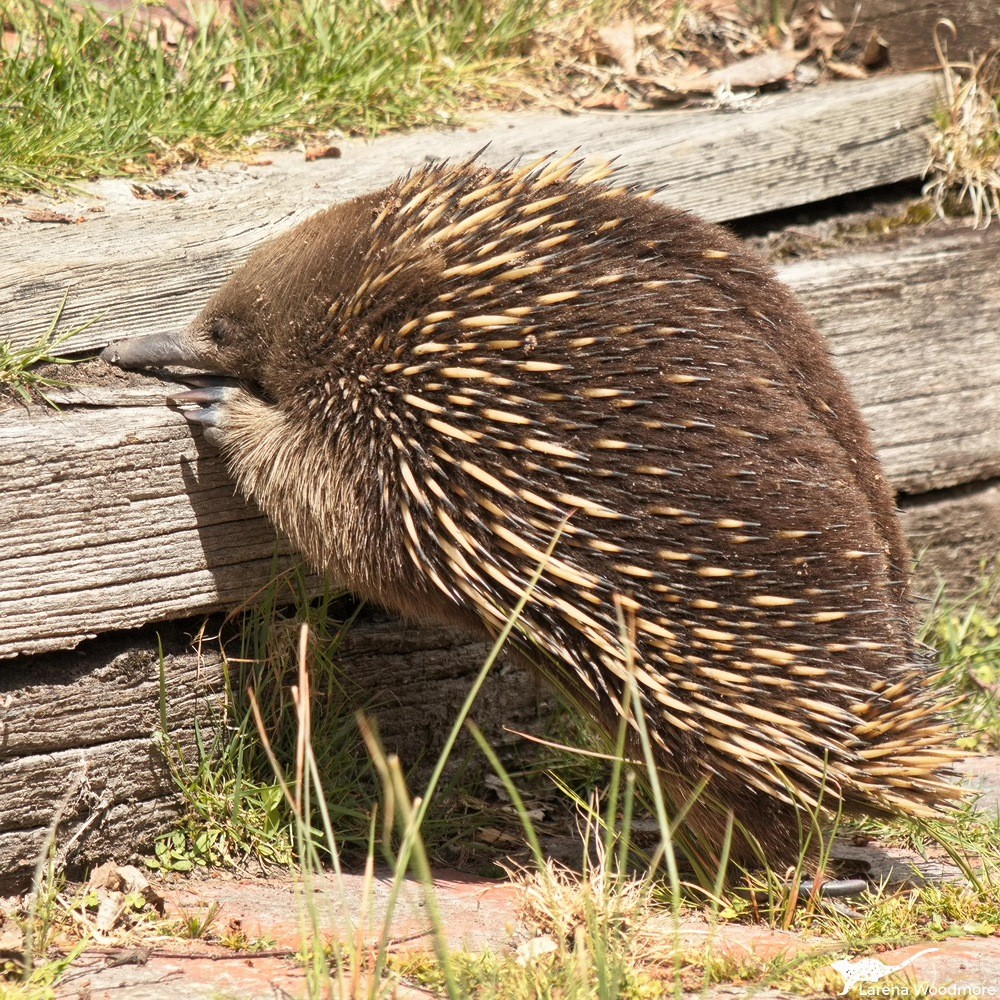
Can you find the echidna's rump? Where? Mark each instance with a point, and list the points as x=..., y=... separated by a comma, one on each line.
x=438, y=379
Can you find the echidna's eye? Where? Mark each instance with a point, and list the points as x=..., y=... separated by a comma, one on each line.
x=221, y=330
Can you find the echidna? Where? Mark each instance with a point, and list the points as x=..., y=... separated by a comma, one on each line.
x=438, y=380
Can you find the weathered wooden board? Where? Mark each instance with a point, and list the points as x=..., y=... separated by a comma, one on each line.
x=916, y=329
x=81, y=732
x=908, y=27
x=81, y=538
x=113, y=516
x=141, y=266
x=952, y=533
x=87, y=725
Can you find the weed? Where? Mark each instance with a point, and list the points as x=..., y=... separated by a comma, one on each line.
x=198, y=926
x=236, y=811
x=19, y=375
x=965, y=633
x=965, y=151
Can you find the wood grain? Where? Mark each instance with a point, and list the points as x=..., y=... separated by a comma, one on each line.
x=113, y=515
x=143, y=266
x=907, y=26
x=914, y=327
x=953, y=534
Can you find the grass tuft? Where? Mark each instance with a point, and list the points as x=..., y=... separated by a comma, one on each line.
x=19, y=375
x=965, y=150
x=965, y=633
x=237, y=813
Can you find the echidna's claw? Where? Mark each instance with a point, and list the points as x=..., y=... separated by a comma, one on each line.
x=210, y=399
x=207, y=396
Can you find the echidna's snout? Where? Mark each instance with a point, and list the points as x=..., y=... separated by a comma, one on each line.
x=158, y=350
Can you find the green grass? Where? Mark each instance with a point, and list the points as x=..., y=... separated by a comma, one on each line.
x=237, y=814
x=965, y=633
x=85, y=95
x=20, y=378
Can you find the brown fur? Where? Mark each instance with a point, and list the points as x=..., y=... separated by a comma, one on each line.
x=444, y=376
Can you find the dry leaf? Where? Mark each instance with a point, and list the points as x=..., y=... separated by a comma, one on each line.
x=817, y=30
x=729, y=10
x=847, y=71
x=122, y=880
x=876, y=52
x=532, y=951
x=44, y=215
x=660, y=89
x=109, y=909
x=748, y=74
x=228, y=79
x=618, y=41
x=608, y=99
x=322, y=153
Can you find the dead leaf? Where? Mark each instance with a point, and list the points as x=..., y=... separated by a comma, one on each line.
x=134, y=880
x=44, y=215
x=157, y=192
x=491, y=835
x=618, y=41
x=537, y=948
x=757, y=71
x=228, y=79
x=817, y=30
x=659, y=90
x=730, y=10
x=876, y=52
x=610, y=100
x=847, y=71
x=769, y=67
x=109, y=909
x=104, y=877
x=322, y=153
x=123, y=880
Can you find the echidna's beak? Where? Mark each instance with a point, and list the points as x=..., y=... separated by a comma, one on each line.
x=156, y=350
